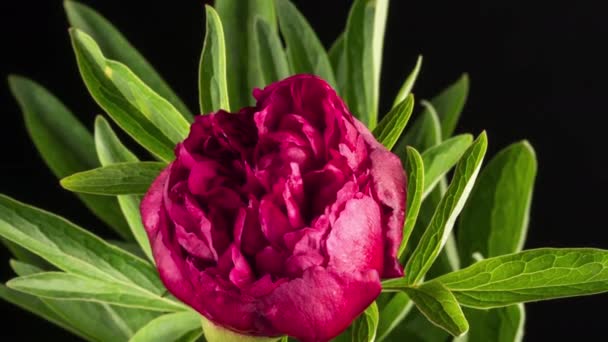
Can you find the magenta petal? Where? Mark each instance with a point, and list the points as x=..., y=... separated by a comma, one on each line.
x=269, y=260
x=298, y=124
x=273, y=222
x=293, y=196
x=247, y=233
x=201, y=174
x=241, y=275
x=193, y=244
x=225, y=306
x=168, y=260
x=321, y=304
x=355, y=241
x=389, y=185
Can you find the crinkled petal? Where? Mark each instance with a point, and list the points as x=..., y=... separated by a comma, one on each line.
x=356, y=240
x=389, y=184
x=166, y=255
x=321, y=304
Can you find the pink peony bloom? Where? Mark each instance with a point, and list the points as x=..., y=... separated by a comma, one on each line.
x=280, y=219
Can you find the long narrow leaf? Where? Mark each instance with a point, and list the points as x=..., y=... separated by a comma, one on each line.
x=438, y=160
x=238, y=20
x=98, y=77
x=392, y=125
x=66, y=286
x=531, y=275
x=366, y=325
x=110, y=150
x=98, y=321
x=270, y=53
x=337, y=58
x=449, y=104
x=115, y=179
x=305, y=52
x=212, y=84
x=72, y=248
x=393, y=314
x=361, y=93
x=494, y=222
x=380, y=16
x=117, y=47
x=414, y=168
x=171, y=327
x=64, y=144
x=416, y=327
x=504, y=324
x=495, y=219
x=409, y=82
x=439, y=305
x=423, y=134
x=449, y=207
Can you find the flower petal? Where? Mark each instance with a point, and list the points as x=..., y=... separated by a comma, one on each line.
x=321, y=304
x=355, y=241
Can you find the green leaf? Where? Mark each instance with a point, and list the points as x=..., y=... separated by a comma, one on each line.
x=438, y=304
x=449, y=207
x=23, y=254
x=365, y=326
x=532, y=275
x=66, y=286
x=73, y=249
x=409, y=82
x=438, y=160
x=23, y=268
x=110, y=150
x=427, y=134
x=216, y=333
x=96, y=320
x=305, y=53
x=270, y=53
x=500, y=324
x=130, y=247
x=118, y=48
x=393, y=313
x=105, y=322
x=142, y=98
x=115, y=179
x=238, y=19
x=364, y=38
x=212, y=84
x=424, y=133
x=495, y=220
x=417, y=328
x=170, y=327
x=380, y=16
x=361, y=93
x=449, y=104
x=37, y=307
x=64, y=144
x=392, y=125
x=96, y=72
x=414, y=169
x=193, y=336
x=337, y=58
x=130, y=207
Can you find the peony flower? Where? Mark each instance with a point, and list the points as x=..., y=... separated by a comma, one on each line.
x=280, y=219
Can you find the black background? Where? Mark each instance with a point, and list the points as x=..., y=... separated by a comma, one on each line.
x=537, y=69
